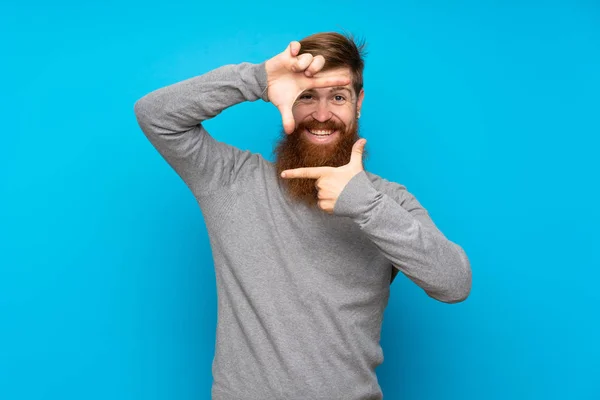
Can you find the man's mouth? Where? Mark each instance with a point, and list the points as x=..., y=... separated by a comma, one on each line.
x=321, y=132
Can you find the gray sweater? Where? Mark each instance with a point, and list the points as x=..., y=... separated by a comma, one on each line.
x=301, y=293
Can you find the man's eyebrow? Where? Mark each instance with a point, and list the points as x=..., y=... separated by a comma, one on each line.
x=337, y=88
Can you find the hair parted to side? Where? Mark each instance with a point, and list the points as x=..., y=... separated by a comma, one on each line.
x=339, y=51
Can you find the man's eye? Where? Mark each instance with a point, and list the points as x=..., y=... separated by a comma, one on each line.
x=339, y=98
x=306, y=96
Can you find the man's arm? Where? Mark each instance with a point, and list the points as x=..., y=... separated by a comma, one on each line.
x=407, y=236
x=171, y=119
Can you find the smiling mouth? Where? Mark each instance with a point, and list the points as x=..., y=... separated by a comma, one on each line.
x=321, y=132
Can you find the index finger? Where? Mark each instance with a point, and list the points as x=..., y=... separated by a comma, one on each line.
x=310, y=173
x=329, y=81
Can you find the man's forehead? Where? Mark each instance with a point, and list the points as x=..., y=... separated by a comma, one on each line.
x=343, y=72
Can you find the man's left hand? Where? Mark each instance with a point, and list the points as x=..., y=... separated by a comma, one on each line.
x=330, y=181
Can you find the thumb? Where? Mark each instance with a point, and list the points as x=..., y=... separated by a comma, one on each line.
x=294, y=48
x=287, y=118
x=357, y=152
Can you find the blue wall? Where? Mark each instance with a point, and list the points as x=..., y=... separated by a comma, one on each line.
x=487, y=111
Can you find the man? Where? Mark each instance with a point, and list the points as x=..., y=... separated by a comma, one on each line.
x=304, y=247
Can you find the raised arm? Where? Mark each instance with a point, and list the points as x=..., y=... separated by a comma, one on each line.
x=171, y=118
x=399, y=226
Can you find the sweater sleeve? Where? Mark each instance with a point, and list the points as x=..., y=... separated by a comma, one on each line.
x=407, y=236
x=171, y=118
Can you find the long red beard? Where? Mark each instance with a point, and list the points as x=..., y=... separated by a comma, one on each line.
x=295, y=151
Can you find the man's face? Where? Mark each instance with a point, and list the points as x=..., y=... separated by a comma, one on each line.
x=326, y=129
x=323, y=115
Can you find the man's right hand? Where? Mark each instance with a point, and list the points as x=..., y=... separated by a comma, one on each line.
x=288, y=75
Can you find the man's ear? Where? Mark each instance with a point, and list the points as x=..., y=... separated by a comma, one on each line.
x=361, y=96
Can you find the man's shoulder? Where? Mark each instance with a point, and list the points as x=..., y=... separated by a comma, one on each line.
x=250, y=160
x=396, y=191
x=383, y=184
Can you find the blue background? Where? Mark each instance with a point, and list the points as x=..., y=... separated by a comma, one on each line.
x=487, y=111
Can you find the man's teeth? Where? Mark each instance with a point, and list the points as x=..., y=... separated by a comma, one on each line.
x=321, y=133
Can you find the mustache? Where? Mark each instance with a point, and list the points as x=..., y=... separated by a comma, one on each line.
x=327, y=125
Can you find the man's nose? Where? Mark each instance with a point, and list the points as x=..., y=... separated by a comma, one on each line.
x=322, y=113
